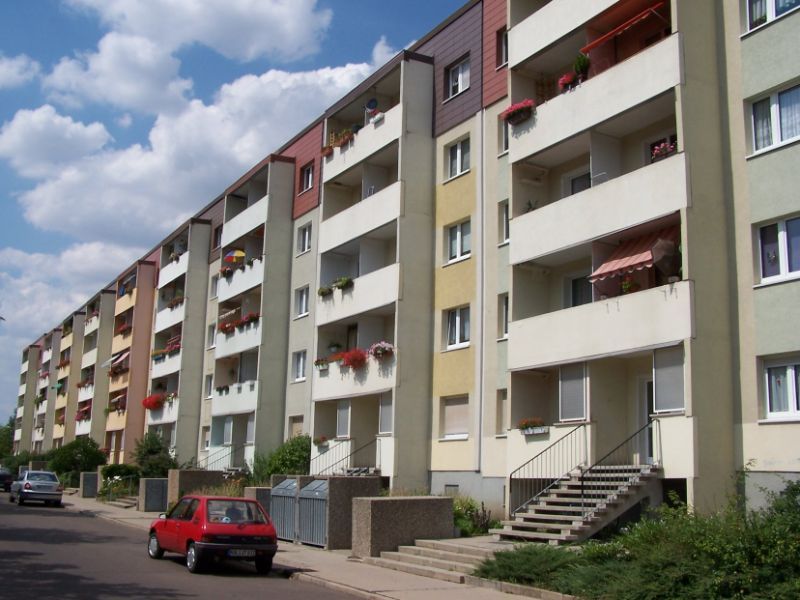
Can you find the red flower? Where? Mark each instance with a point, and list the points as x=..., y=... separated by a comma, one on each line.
x=355, y=358
x=154, y=401
x=566, y=79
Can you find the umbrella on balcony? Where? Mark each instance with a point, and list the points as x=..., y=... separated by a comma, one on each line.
x=234, y=256
x=666, y=257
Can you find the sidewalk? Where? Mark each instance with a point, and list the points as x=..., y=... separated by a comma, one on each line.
x=329, y=569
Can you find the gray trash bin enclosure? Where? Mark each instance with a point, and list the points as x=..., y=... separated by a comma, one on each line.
x=282, y=508
x=313, y=518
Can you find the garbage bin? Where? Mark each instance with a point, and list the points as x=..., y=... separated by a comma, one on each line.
x=313, y=518
x=282, y=508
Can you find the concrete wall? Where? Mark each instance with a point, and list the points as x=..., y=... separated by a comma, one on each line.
x=185, y=482
x=153, y=494
x=341, y=492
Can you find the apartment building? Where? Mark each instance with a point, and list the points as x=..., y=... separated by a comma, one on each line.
x=551, y=236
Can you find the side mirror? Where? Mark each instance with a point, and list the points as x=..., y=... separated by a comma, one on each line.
x=162, y=516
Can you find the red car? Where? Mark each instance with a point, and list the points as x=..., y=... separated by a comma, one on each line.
x=207, y=527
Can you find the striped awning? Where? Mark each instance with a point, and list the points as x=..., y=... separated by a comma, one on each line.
x=121, y=357
x=633, y=255
x=622, y=27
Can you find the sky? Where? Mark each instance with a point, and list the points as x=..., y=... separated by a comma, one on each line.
x=119, y=119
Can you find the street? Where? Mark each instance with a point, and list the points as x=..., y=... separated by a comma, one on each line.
x=58, y=553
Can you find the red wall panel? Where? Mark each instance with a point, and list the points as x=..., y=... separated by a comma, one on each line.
x=495, y=80
x=304, y=150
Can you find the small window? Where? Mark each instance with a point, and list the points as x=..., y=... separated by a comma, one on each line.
x=217, y=236
x=299, y=366
x=307, y=177
x=580, y=183
x=776, y=119
x=301, y=302
x=503, y=316
x=783, y=388
x=572, y=392
x=579, y=291
x=779, y=249
x=504, y=130
x=214, y=285
x=206, y=437
x=304, y=238
x=504, y=222
x=668, y=379
x=343, y=419
x=502, y=47
x=209, y=386
x=211, y=336
x=762, y=11
x=458, y=327
x=250, y=431
x=458, y=158
x=455, y=418
x=457, y=77
x=385, y=413
x=459, y=244
x=501, y=417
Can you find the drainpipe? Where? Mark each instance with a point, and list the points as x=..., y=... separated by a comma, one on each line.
x=481, y=291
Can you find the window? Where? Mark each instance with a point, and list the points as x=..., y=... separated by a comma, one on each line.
x=455, y=418
x=304, y=238
x=385, y=413
x=248, y=366
x=307, y=177
x=501, y=419
x=217, y=236
x=206, y=437
x=250, y=431
x=668, y=379
x=779, y=249
x=211, y=336
x=579, y=291
x=299, y=366
x=458, y=162
x=301, y=302
x=214, y=285
x=579, y=183
x=459, y=241
x=209, y=385
x=457, y=78
x=776, y=119
x=761, y=11
x=502, y=306
x=458, y=327
x=502, y=47
x=227, y=431
x=296, y=426
x=343, y=418
x=783, y=388
x=571, y=393
x=504, y=130
x=504, y=221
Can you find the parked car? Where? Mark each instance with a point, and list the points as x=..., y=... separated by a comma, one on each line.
x=5, y=479
x=37, y=485
x=204, y=528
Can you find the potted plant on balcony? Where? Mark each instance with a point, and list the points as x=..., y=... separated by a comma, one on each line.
x=355, y=358
x=123, y=329
x=326, y=151
x=223, y=389
x=628, y=285
x=334, y=347
x=519, y=112
x=566, y=81
x=175, y=302
x=63, y=363
x=581, y=67
x=343, y=283
x=226, y=327
x=154, y=401
x=324, y=291
x=321, y=442
x=321, y=364
x=226, y=272
x=532, y=426
x=380, y=350
x=663, y=150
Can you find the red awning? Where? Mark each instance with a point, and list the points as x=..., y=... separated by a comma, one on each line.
x=623, y=27
x=121, y=357
x=633, y=255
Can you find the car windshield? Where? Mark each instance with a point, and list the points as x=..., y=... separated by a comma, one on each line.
x=234, y=511
x=42, y=477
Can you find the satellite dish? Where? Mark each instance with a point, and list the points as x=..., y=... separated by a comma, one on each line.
x=372, y=104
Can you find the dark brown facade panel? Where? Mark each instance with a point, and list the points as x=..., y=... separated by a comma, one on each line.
x=495, y=80
x=215, y=213
x=306, y=150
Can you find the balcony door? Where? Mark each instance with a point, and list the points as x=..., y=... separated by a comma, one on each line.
x=646, y=409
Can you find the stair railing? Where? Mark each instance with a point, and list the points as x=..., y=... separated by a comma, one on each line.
x=640, y=449
x=349, y=460
x=219, y=460
x=532, y=479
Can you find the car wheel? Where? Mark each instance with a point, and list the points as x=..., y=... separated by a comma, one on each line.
x=194, y=560
x=57, y=503
x=20, y=501
x=153, y=547
x=263, y=565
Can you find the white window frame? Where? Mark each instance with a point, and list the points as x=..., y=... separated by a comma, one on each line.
x=458, y=318
x=299, y=365
x=783, y=253
x=460, y=169
x=584, y=417
x=303, y=239
x=791, y=364
x=461, y=254
x=307, y=177
x=771, y=16
x=463, y=435
x=505, y=222
x=504, y=316
x=457, y=74
x=211, y=336
x=505, y=137
x=775, y=122
x=502, y=34
x=214, y=286
x=209, y=385
x=301, y=302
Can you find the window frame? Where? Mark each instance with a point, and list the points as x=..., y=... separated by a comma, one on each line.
x=458, y=69
x=792, y=366
x=504, y=313
x=299, y=364
x=302, y=300
x=461, y=254
x=769, y=17
x=307, y=177
x=460, y=168
x=784, y=274
x=303, y=239
x=505, y=223
x=443, y=435
x=217, y=237
x=501, y=48
x=458, y=313
x=213, y=287
x=211, y=336
x=584, y=416
x=776, y=141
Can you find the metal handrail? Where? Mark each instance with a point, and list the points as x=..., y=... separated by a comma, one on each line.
x=626, y=453
x=327, y=470
x=218, y=456
x=534, y=477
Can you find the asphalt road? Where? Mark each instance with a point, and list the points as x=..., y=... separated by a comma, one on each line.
x=56, y=553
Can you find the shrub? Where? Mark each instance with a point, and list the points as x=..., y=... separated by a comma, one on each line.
x=152, y=456
x=290, y=458
x=122, y=471
x=74, y=458
x=469, y=518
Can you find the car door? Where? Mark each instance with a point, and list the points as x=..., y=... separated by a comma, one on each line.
x=188, y=526
x=168, y=536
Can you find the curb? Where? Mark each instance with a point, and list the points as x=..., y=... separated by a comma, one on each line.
x=516, y=589
x=337, y=587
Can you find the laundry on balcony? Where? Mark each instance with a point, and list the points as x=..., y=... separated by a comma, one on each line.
x=636, y=254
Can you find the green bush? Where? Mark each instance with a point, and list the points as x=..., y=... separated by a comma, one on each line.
x=121, y=471
x=290, y=458
x=72, y=459
x=470, y=518
x=152, y=456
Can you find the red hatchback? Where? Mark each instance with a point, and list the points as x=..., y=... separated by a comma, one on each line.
x=206, y=527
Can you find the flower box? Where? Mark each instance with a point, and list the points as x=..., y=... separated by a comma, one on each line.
x=519, y=113
x=326, y=151
x=535, y=430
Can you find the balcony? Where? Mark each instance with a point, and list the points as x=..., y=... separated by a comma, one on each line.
x=83, y=427
x=116, y=420
x=86, y=392
x=89, y=358
x=623, y=87
x=369, y=292
x=640, y=196
x=44, y=381
x=168, y=413
x=47, y=355
x=17, y=435
x=22, y=388
x=173, y=269
x=246, y=221
x=342, y=382
x=374, y=136
x=169, y=317
x=636, y=321
x=38, y=434
x=165, y=364
x=239, y=340
x=61, y=401
x=23, y=368
x=91, y=325
x=371, y=213
x=241, y=280
x=125, y=302
x=20, y=411
x=550, y=24
x=62, y=372
x=58, y=431
x=41, y=408
x=235, y=398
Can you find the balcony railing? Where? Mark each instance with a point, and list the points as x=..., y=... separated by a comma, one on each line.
x=166, y=364
x=173, y=269
x=23, y=368
x=20, y=411
x=168, y=413
x=91, y=325
x=89, y=358
x=168, y=317
x=86, y=392
x=235, y=398
x=241, y=280
x=337, y=381
x=238, y=340
x=368, y=292
x=246, y=221
x=83, y=427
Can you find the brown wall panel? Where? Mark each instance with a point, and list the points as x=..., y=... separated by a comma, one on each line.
x=495, y=80
x=305, y=150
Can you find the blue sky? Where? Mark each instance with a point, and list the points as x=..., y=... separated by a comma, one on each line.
x=148, y=109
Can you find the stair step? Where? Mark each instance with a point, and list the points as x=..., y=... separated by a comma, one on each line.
x=426, y=561
x=569, y=500
x=534, y=535
x=547, y=517
x=432, y=572
x=119, y=503
x=591, y=492
x=447, y=555
x=533, y=525
x=456, y=547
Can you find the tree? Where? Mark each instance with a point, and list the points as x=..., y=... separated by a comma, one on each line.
x=291, y=458
x=7, y=438
x=152, y=456
x=78, y=456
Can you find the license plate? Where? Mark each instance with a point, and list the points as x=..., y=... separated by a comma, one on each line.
x=239, y=553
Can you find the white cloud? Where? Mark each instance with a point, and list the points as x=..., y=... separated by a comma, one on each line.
x=238, y=29
x=39, y=143
x=125, y=121
x=127, y=71
x=17, y=71
x=382, y=52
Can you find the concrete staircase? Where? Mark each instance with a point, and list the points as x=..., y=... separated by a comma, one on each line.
x=124, y=502
x=445, y=560
x=564, y=513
